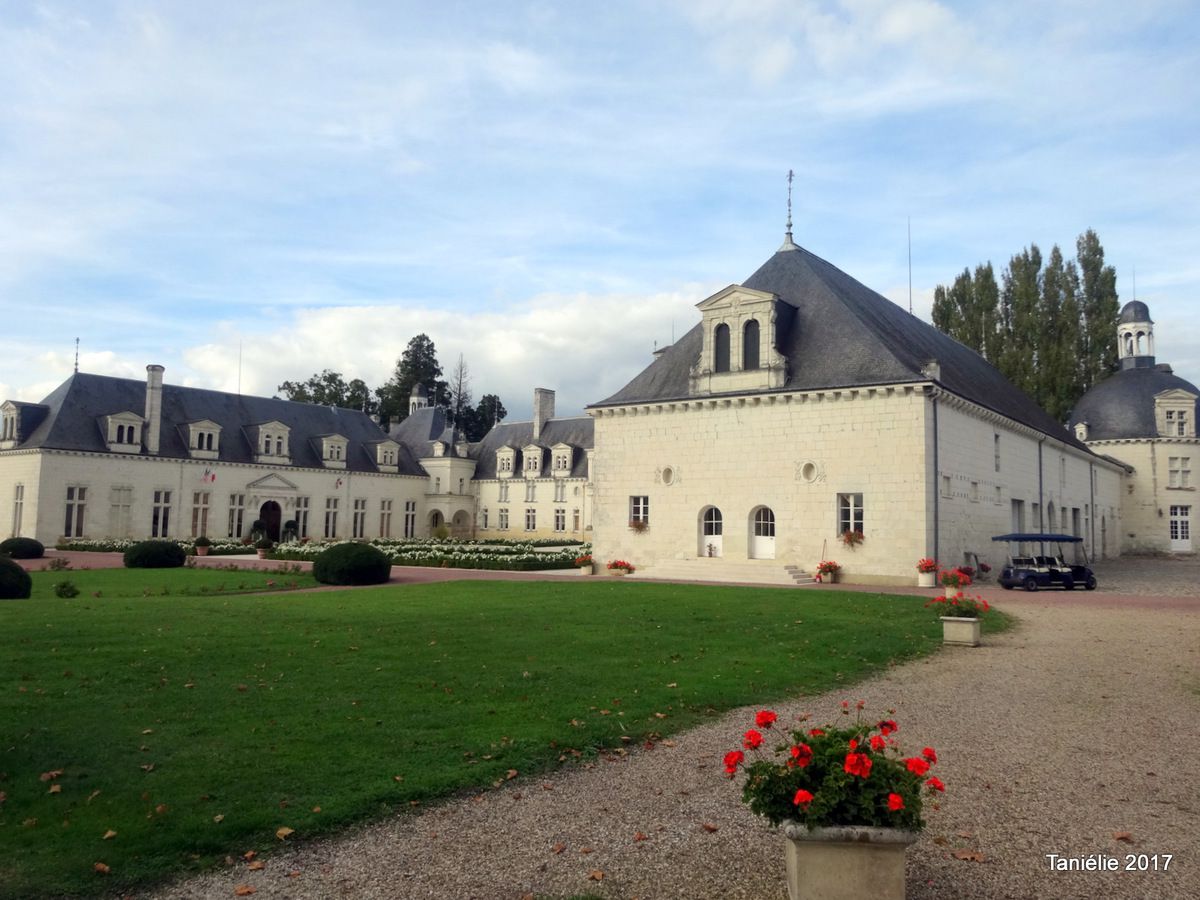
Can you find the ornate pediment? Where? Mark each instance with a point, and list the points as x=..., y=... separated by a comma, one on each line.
x=271, y=482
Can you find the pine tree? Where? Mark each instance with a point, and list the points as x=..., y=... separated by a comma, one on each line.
x=417, y=365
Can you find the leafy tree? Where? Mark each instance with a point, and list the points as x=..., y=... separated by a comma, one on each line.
x=329, y=388
x=490, y=411
x=967, y=309
x=1058, y=374
x=418, y=364
x=1020, y=320
x=1099, y=308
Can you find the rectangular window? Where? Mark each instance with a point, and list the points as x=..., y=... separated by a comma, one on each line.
x=358, y=524
x=639, y=510
x=504, y=492
x=1179, y=471
x=462, y=486
x=1181, y=428
x=200, y=502
x=530, y=491
x=1035, y=516
x=850, y=513
x=331, y=513
x=160, y=516
x=437, y=485
x=996, y=450
x=120, y=511
x=385, y=518
x=945, y=485
x=974, y=491
x=1018, y=515
x=575, y=522
x=76, y=506
x=410, y=518
x=18, y=507
x=302, y=517
x=237, y=514
x=560, y=520
x=503, y=516
x=533, y=463
x=483, y=518
x=530, y=519
x=999, y=496
x=560, y=492
x=505, y=464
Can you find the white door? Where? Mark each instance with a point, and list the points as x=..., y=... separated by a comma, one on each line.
x=712, y=528
x=762, y=534
x=1181, y=529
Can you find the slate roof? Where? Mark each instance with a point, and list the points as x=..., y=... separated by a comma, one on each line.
x=577, y=431
x=421, y=428
x=1122, y=405
x=74, y=409
x=1134, y=311
x=838, y=333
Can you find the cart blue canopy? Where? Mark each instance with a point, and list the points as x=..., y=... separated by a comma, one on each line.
x=1039, y=538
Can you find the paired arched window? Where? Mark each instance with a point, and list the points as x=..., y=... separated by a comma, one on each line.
x=721, y=348
x=750, y=345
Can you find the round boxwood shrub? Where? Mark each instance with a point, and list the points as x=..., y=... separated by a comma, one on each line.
x=15, y=583
x=155, y=555
x=352, y=564
x=22, y=548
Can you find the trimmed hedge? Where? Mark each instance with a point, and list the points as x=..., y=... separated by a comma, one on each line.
x=15, y=583
x=155, y=555
x=22, y=548
x=352, y=564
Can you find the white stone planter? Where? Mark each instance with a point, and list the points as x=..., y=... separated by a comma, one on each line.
x=847, y=863
x=585, y=570
x=961, y=632
x=927, y=579
x=619, y=573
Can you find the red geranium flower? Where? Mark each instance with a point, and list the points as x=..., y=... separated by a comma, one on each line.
x=930, y=754
x=801, y=756
x=858, y=764
x=916, y=765
x=887, y=726
x=765, y=718
x=935, y=784
x=853, y=744
x=895, y=802
x=802, y=798
x=815, y=732
x=877, y=743
x=752, y=739
x=733, y=759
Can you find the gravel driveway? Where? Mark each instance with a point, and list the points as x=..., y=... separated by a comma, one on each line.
x=1075, y=733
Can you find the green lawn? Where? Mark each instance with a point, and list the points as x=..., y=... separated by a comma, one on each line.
x=108, y=584
x=195, y=726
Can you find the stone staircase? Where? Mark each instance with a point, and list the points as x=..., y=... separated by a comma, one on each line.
x=744, y=571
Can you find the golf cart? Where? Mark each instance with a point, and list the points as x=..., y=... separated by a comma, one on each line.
x=1044, y=569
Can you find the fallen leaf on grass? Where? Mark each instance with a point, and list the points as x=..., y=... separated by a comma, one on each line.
x=584, y=851
x=147, y=731
x=293, y=874
x=219, y=818
x=92, y=796
x=249, y=855
x=161, y=808
x=283, y=832
x=595, y=875
x=147, y=767
x=244, y=890
x=659, y=715
x=51, y=775
x=109, y=835
x=30, y=823
x=55, y=789
x=709, y=827
x=101, y=868
x=397, y=778
x=1126, y=836
x=511, y=774
x=316, y=809
x=968, y=855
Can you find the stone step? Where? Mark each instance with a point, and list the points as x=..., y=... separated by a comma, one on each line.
x=747, y=571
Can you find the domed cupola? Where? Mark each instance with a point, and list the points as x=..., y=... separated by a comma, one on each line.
x=1135, y=336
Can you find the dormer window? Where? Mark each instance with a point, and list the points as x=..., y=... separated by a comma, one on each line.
x=561, y=458
x=334, y=450
x=741, y=332
x=533, y=461
x=387, y=456
x=204, y=439
x=272, y=441
x=8, y=429
x=506, y=459
x=123, y=432
x=1174, y=413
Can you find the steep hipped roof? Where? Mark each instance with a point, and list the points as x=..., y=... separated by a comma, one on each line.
x=1122, y=405
x=73, y=408
x=578, y=432
x=843, y=334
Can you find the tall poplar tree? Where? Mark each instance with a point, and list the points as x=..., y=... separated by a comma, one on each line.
x=1099, y=307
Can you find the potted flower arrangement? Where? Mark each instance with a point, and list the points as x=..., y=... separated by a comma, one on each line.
x=954, y=580
x=202, y=544
x=926, y=572
x=845, y=797
x=984, y=569
x=263, y=546
x=620, y=567
x=961, y=618
x=638, y=525
x=584, y=564
x=852, y=538
x=827, y=569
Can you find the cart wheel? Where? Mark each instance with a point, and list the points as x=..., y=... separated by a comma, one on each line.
x=1068, y=583
x=1031, y=584
x=1090, y=584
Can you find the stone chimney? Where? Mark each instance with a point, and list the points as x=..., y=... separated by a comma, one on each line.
x=543, y=410
x=154, y=387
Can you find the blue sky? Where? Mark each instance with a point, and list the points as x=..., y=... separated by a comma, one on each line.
x=549, y=188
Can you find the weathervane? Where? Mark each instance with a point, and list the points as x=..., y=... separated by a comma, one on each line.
x=76, y=354
x=791, y=175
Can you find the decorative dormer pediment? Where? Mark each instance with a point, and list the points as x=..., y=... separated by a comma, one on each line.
x=534, y=460
x=333, y=448
x=271, y=442
x=203, y=439
x=1175, y=413
x=387, y=456
x=506, y=462
x=123, y=432
x=562, y=459
x=740, y=339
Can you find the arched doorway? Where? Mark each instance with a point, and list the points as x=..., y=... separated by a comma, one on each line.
x=712, y=528
x=436, y=521
x=270, y=514
x=762, y=533
x=460, y=525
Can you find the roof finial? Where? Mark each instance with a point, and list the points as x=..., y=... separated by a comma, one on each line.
x=77, y=355
x=788, y=243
